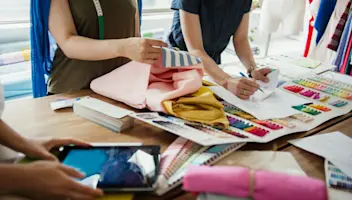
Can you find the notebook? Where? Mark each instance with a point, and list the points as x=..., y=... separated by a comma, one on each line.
x=104, y=114
x=182, y=153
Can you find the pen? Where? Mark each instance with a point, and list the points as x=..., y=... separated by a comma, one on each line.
x=247, y=77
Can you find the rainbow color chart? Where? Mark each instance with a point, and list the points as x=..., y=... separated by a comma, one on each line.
x=328, y=99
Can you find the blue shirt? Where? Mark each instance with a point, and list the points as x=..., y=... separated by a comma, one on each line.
x=219, y=20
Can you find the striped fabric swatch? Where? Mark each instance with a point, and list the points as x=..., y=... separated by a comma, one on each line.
x=175, y=58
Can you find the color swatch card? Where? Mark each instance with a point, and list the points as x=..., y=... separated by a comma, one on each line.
x=240, y=130
x=198, y=133
x=335, y=147
x=335, y=178
x=279, y=103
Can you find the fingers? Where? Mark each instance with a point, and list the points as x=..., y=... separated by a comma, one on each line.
x=71, y=172
x=152, y=56
x=244, y=97
x=48, y=156
x=79, y=196
x=156, y=43
x=251, y=83
x=80, y=188
x=261, y=74
x=247, y=87
x=64, y=142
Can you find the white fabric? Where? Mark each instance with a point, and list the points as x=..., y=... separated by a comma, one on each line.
x=289, y=13
x=320, y=51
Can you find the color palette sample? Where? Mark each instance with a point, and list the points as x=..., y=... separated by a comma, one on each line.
x=242, y=125
x=306, y=109
x=231, y=132
x=320, y=107
x=284, y=122
x=307, y=93
x=337, y=179
x=268, y=124
x=339, y=103
x=333, y=83
x=294, y=88
x=236, y=111
x=302, y=117
x=325, y=88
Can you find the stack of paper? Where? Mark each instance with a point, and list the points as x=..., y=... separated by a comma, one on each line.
x=104, y=114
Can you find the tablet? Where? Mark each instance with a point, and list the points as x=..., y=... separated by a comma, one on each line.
x=115, y=168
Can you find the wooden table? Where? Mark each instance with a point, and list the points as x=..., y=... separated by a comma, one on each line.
x=34, y=118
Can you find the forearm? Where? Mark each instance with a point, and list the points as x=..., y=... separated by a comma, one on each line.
x=244, y=53
x=83, y=48
x=210, y=67
x=11, y=178
x=11, y=139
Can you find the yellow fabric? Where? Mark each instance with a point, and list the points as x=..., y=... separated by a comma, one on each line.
x=208, y=83
x=117, y=197
x=201, y=107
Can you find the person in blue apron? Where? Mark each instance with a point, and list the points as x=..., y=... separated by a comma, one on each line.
x=93, y=38
x=204, y=28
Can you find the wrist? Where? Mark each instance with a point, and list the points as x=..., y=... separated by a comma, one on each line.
x=250, y=69
x=13, y=178
x=224, y=81
x=121, y=49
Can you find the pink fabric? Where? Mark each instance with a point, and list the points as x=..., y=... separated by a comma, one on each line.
x=235, y=182
x=141, y=85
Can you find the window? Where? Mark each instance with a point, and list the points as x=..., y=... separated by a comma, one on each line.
x=14, y=11
x=150, y=6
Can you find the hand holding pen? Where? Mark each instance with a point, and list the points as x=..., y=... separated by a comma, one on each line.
x=247, y=77
x=242, y=87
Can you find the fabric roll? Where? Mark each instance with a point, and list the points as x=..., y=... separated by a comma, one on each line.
x=260, y=185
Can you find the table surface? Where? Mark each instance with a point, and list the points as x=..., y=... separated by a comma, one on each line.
x=311, y=164
x=34, y=118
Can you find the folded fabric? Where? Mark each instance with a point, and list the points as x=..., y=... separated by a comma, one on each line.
x=259, y=185
x=201, y=107
x=14, y=57
x=176, y=74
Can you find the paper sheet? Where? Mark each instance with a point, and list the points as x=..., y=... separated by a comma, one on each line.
x=277, y=105
x=335, y=147
x=267, y=88
x=274, y=161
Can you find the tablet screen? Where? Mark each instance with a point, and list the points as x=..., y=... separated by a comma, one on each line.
x=117, y=167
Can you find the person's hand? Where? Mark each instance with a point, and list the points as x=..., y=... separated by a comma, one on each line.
x=144, y=50
x=40, y=148
x=52, y=180
x=242, y=87
x=260, y=74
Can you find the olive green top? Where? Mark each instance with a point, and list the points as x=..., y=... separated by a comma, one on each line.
x=71, y=75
